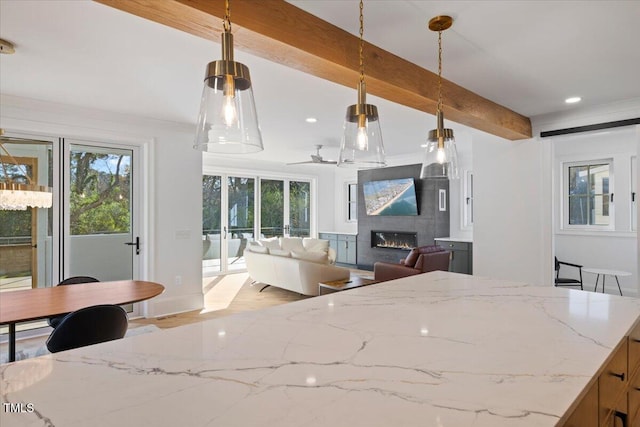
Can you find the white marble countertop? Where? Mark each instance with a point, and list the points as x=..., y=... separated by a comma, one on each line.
x=438, y=349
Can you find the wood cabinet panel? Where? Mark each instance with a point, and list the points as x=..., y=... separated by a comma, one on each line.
x=612, y=385
x=586, y=414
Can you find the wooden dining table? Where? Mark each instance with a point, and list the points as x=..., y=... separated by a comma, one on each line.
x=40, y=303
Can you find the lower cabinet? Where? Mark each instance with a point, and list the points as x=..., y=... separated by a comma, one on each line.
x=461, y=255
x=344, y=245
x=614, y=399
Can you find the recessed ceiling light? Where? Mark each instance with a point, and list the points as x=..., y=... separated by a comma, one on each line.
x=310, y=120
x=573, y=100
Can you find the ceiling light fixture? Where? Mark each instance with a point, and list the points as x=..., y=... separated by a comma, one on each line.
x=573, y=100
x=361, y=145
x=16, y=195
x=441, y=156
x=228, y=122
x=311, y=120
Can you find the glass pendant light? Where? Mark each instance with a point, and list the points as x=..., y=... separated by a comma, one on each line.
x=361, y=145
x=228, y=122
x=441, y=156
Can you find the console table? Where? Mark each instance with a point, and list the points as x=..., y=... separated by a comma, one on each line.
x=433, y=349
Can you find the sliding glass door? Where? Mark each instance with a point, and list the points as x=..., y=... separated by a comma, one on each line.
x=228, y=218
x=26, y=250
x=285, y=208
x=234, y=207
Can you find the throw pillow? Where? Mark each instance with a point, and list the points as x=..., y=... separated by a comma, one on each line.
x=315, y=245
x=280, y=252
x=271, y=243
x=317, y=257
x=291, y=244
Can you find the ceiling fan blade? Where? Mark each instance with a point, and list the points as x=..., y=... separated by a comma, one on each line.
x=300, y=163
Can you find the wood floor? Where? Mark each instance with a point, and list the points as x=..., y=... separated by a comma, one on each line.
x=238, y=293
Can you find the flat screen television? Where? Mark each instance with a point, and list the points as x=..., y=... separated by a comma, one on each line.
x=390, y=197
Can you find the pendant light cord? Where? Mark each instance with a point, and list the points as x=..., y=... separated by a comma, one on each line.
x=226, y=22
x=361, y=41
x=439, y=70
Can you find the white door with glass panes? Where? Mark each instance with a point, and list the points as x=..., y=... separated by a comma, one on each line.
x=100, y=211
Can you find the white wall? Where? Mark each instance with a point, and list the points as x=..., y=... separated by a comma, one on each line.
x=615, y=249
x=513, y=229
x=171, y=242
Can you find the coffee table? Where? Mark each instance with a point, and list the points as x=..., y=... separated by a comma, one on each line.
x=342, y=285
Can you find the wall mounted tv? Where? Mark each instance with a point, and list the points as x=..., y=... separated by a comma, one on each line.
x=390, y=197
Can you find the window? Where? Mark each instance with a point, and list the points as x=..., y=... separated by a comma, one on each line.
x=352, y=202
x=589, y=194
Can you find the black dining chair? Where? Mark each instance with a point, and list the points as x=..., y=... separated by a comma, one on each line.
x=564, y=281
x=75, y=280
x=87, y=326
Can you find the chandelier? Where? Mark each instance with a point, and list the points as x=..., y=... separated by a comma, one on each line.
x=17, y=190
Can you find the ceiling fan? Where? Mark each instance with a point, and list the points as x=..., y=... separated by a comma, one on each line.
x=316, y=159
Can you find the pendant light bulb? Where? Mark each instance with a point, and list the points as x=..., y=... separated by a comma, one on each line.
x=362, y=140
x=229, y=110
x=441, y=156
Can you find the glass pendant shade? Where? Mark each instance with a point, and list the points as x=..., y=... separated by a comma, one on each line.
x=440, y=156
x=228, y=122
x=361, y=145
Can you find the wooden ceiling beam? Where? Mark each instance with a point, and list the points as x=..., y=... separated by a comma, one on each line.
x=283, y=33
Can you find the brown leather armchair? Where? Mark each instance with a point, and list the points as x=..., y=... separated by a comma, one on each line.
x=420, y=260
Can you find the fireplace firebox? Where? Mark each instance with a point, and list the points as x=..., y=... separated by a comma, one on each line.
x=394, y=240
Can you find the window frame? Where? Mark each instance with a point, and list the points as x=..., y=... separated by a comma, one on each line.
x=349, y=202
x=565, y=195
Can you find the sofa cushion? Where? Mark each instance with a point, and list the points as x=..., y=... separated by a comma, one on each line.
x=271, y=243
x=291, y=244
x=280, y=252
x=315, y=245
x=317, y=257
x=256, y=247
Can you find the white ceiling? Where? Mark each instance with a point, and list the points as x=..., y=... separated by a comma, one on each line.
x=526, y=55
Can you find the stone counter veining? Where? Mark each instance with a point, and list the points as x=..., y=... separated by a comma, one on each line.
x=438, y=349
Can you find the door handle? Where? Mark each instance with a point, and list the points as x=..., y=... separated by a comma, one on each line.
x=136, y=244
x=224, y=229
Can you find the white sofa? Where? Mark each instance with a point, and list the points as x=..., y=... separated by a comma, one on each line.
x=299, y=271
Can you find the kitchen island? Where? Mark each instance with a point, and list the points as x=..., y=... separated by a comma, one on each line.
x=437, y=349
